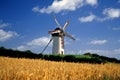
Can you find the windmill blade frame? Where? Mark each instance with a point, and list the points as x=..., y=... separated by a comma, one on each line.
x=47, y=45
x=57, y=23
x=66, y=24
x=70, y=36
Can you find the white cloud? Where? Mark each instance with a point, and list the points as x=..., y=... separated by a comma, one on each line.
x=22, y=48
x=116, y=28
x=36, y=9
x=60, y=5
x=111, y=13
x=91, y=2
x=35, y=44
x=2, y=24
x=42, y=41
x=91, y=51
x=64, y=5
x=110, y=53
x=117, y=50
x=98, y=42
x=118, y=40
x=118, y=1
x=89, y=18
x=6, y=35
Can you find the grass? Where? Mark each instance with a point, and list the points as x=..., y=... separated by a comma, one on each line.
x=36, y=69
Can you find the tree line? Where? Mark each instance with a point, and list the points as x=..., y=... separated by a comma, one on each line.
x=85, y=58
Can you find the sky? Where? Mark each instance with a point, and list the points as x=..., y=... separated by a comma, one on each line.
x=24, y=25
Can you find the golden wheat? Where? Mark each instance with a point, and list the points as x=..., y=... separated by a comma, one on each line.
x=36, y=69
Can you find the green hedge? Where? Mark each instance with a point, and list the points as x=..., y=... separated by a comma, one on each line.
x=85, y=58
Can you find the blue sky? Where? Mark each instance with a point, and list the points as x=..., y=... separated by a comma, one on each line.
x=24, y=25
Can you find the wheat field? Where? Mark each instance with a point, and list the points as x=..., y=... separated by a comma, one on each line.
x=36, y=69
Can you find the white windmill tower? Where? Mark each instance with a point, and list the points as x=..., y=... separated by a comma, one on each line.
x=58, y=38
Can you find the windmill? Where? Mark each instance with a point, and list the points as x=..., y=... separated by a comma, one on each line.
x=58, y=35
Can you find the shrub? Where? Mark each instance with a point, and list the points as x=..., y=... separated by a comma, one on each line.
x=69, y=58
